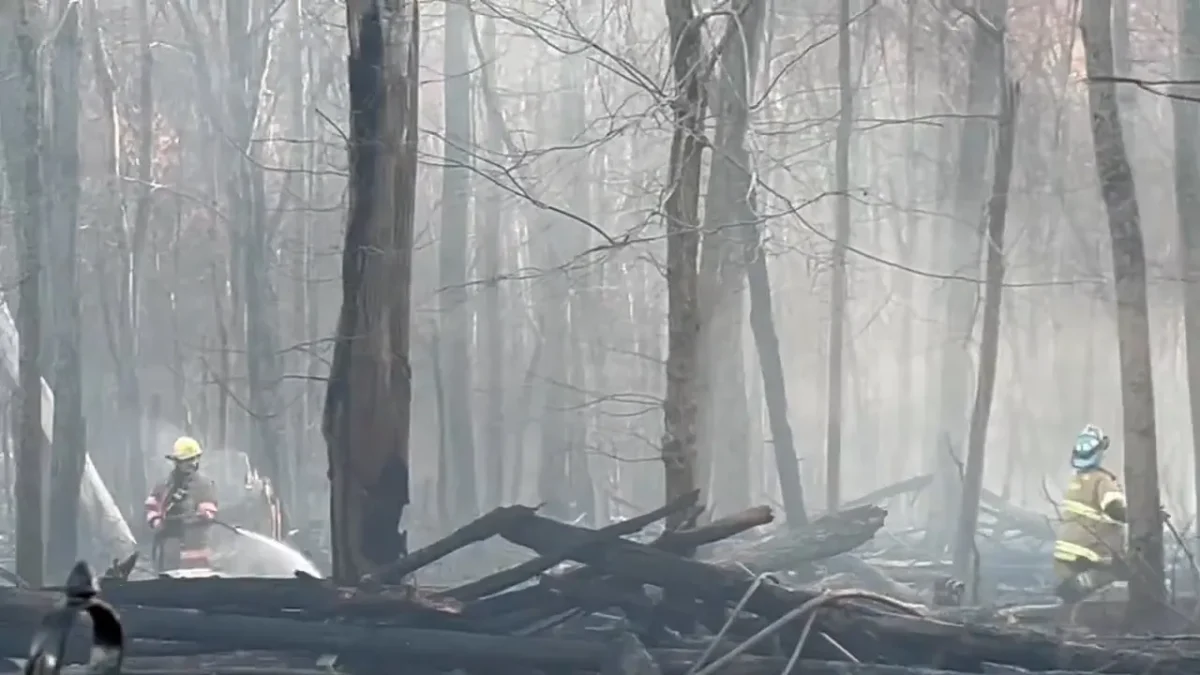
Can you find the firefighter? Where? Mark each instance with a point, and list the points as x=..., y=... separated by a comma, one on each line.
x=1091, y=532
x=180, y=509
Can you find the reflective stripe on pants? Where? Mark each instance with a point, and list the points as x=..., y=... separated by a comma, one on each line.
x=1066, y=551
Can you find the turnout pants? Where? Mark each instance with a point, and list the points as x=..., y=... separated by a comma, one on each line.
x=178, y=547
x=1080, y=578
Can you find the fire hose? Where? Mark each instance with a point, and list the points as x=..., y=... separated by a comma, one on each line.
x=156, y=547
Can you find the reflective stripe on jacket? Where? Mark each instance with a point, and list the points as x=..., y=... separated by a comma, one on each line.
x=197, y=496
x=1085, y=532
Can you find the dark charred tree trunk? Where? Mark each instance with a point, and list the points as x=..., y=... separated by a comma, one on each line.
x=366, y=416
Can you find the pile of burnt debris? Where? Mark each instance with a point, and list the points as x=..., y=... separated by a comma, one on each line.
x=625, y=608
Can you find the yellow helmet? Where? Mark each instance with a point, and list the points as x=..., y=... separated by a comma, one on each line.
x=185, y=448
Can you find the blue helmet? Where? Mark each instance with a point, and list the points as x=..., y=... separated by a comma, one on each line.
x=1089, y=448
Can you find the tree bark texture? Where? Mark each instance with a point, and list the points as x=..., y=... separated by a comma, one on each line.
x=69, y=446
x=21, y=122
x=366, y=415
x=683, y=244
x=1186, y=120
x=1147, y=585
x=723, y=412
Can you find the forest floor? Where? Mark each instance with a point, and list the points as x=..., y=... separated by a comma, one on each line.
x=612, y=600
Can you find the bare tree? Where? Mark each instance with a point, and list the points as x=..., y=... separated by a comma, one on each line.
x=489, y=226
x=1186, y=120
x=132, y=245
x=366, y=415
x=683, y=243
x=69, y=436
x=455, y=321
x=963, y=246
x=989, y=344
x=251, y=231
x=723, y=415
x=20, y=129
x=1147, y=585
x=837, y=311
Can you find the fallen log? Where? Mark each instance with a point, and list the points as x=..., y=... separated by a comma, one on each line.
x=825, y=537
x=319, y=598
x=868, y=632
x=227, y=632
x=484, y=527
x=517, y=574
x=913, y=486
x=314, y=598
x=872, y=578
x=522, y=600
x=717, y=530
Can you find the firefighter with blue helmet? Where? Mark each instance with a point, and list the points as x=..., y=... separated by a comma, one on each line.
x=1090, y=541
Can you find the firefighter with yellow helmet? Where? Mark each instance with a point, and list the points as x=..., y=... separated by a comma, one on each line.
x=1088, y=553
x=180, y=509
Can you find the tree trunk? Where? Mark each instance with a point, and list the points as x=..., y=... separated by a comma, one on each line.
x=315, y=187
x=366, y=416
x=489, y=221
x=20, y=124
x=989, y=344
x=907, y=239
x=455, y=319
x=1123, y=67
x=1147, y=585
x=133, y=247
x=1186, y=119
x=69, y=446
x=963, y=242
x=250, y=238
x=723, y=413
x=770, y=360
x=301, y=227
x=104, y=516
x=837, y=303
x=573, y=131
x=683, y=243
